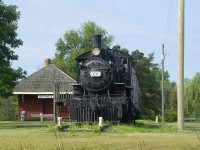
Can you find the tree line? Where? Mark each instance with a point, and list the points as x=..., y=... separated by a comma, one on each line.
x=76, y=42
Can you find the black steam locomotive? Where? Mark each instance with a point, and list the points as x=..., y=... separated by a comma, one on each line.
x=106, y=86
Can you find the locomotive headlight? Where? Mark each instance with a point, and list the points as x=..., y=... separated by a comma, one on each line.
x=96, y=51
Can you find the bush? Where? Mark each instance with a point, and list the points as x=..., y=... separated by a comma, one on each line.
x=170, y=116
x=8, y=109
x=198, y=119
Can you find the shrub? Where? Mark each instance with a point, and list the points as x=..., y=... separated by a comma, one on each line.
x=170, y=116
x=8, y=108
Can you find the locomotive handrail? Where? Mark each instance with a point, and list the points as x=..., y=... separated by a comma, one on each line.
x=75, y=84
x=118, y=83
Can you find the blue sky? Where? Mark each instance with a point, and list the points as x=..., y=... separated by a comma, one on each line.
x=135, y=24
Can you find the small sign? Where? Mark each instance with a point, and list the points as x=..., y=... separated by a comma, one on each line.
x=45, y=96
x=95, y=73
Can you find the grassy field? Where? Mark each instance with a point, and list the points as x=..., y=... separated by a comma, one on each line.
x=145, y=135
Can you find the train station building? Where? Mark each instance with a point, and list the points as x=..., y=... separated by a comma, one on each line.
x=36, y=93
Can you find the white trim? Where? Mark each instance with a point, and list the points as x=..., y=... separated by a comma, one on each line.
x=37, y=93
x=32, y=92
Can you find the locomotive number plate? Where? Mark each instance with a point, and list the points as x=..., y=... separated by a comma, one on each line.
x=95, y=73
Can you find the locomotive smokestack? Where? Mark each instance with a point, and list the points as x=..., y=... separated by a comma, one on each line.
x=96, y=41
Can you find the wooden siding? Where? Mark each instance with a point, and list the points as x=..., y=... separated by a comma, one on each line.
x=32, y=105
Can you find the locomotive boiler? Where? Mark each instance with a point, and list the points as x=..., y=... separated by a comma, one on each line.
x=106, y=86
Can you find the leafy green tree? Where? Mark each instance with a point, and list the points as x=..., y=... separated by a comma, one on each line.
x=137, y=56
x=8, y=108
x=170, y=92
x=118, y=48
x=150, y=78
x=77, y=42
x=192, y=97
x=173, y=97
x=170, y=101
x=187, y=81
x=8, y=41
x=147, y=74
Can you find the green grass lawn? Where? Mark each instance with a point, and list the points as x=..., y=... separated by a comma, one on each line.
x=146, y=135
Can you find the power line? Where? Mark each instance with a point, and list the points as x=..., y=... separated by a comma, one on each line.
x=168, y=23
x=163, y=54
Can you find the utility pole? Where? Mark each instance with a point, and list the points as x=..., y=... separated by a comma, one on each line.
x=180, y=87
x=163, y=59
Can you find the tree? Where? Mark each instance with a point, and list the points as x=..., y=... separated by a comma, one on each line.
x=170, y=101
x=77, y=42
x=173, y=97
x=8, y=108
x=118, y=48
x=148, y=77
x=170, y=95
x=192, y=96
x=8, y=41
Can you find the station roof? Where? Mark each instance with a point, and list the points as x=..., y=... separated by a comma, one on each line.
x=43, y=81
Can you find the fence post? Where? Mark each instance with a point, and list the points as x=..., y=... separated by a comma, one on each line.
x=100, y=123
x=157, y=119
x=41, y=118
x=59, y=122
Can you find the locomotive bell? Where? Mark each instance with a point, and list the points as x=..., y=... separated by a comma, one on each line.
x=96, y=44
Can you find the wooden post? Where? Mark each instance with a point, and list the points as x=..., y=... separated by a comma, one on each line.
x=60, y=122
x=100, y=123
x=157, y=119
x=56, y=99
x=41, y=118
x=180, y=87
x=163, y=104
x=54, y=104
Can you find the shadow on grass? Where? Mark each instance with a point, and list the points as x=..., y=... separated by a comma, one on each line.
x=148, y=125
x=17, y=124
x=192, y=126
x=140, y=127
x=8, y=125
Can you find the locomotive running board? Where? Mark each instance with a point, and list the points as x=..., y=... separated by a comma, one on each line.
x=123, y=84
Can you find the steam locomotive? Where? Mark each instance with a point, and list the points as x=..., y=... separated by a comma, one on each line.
x=106, y=86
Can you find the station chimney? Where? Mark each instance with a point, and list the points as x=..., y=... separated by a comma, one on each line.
x=47, y=62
